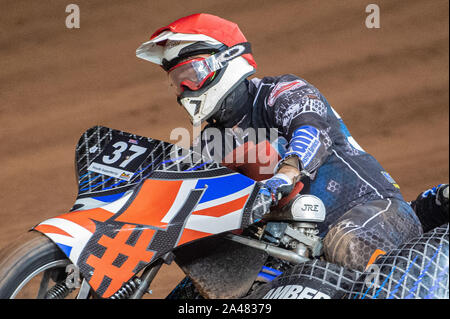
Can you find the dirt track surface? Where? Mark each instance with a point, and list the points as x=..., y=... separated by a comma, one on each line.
x=390, y=85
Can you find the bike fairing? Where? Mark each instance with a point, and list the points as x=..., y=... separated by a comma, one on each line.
x=118, y=226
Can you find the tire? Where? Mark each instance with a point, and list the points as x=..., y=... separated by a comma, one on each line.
x=315, y=279
x=417, y=269
x=26, y=260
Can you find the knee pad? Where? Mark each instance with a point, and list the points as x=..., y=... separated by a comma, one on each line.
x=368, y=230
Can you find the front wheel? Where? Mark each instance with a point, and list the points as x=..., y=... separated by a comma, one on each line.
x=34, y=267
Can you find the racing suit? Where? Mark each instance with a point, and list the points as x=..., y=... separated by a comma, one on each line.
x=366, y=213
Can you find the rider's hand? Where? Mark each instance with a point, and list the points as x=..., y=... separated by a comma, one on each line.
x=277, y=187
x=432, y=206
x=442, y=197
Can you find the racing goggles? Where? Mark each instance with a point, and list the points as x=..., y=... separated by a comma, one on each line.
x=195, y=72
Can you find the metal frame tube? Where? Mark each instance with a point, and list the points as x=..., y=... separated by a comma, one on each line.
x=270, y=249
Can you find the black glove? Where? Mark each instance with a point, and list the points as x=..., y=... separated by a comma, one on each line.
x=432, y=206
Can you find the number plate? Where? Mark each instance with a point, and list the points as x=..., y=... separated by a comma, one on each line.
x=121, y=157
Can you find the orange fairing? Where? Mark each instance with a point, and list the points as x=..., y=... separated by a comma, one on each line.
x=49, y=229
x=84, y=218
x=119, y=226
x=111, y=243
x=115, y=247
x=154, y=200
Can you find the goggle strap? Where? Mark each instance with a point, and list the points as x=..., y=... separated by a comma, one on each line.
x=221, y=59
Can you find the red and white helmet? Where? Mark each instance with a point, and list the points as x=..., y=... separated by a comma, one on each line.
x=202, y=83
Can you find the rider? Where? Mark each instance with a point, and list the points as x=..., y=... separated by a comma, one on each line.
x=208, y=61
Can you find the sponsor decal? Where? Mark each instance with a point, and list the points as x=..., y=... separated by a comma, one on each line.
x=132, y=141
x=282, y=88
x=110, y=171
x=305, y=143
x=390, y=179
x=295, y=292
x=125, y=176
x=231, y=53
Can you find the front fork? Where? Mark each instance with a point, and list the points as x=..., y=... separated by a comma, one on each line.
x=137, y=287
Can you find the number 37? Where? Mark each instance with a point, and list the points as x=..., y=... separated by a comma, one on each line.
x=121, y=147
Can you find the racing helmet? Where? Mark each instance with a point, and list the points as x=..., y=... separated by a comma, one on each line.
x=222, y=60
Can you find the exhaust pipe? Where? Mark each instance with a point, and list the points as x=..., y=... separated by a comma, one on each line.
x=269, y=249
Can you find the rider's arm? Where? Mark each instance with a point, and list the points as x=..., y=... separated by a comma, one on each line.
x=301, y=116
x=289, y=167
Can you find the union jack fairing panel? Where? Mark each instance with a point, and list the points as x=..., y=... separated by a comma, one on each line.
x=138, y=199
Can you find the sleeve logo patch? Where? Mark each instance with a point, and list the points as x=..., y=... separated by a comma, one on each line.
x=282, y=88
x=305, y=143
x=390, y=179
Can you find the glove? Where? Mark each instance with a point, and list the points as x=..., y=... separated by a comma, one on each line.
x=277, y=187
x=438, y=195
x=442, y=197
x=432, y=207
